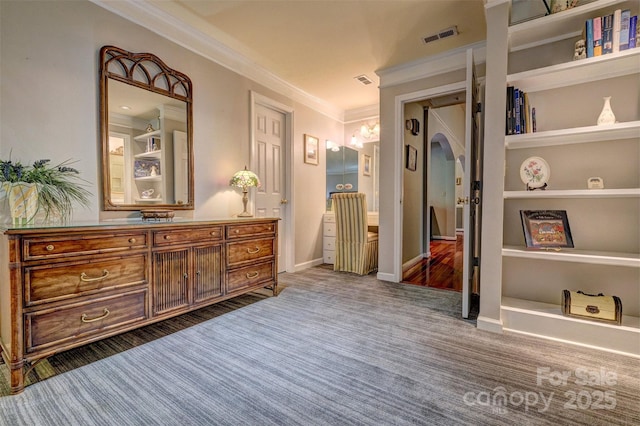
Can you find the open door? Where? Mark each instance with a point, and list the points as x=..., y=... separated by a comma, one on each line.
x=472, y=191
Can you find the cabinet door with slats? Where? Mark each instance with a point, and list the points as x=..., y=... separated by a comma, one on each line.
x=207, y=263
x=171, y=280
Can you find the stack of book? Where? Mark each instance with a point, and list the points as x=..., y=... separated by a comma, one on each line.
x=611, y=33
x=521, y=118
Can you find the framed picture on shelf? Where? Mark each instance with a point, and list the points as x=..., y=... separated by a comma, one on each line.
x=412, y=158
x=146, y=168
x=310, y=149
x=366, y=165
x=546, y=229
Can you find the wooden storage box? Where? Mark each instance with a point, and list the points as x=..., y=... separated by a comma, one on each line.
x=590, y=306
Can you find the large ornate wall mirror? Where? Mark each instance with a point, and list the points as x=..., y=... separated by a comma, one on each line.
x=146, y=132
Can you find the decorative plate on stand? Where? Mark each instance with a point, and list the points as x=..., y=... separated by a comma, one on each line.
x=535, y=173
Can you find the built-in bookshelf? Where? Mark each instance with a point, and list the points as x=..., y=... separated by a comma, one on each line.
x=604, y=222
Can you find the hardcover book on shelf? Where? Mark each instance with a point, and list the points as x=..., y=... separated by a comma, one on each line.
x=516, y=102
x=589, y=37
x=634, y=34
x=607, y=34
x=509, y=112
x=617, y=24
x=546, y=229
x=624, y=29
x=597, y=36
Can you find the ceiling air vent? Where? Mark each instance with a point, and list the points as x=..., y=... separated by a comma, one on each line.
x=363, y=79
x=447, y=32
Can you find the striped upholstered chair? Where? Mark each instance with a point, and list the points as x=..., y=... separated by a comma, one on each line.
x=356, y=248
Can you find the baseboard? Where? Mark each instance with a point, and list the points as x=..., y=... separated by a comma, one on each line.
x=413, y=262
x=489, y=324
x=382, y=276
x=309, y=264
x=444, y=237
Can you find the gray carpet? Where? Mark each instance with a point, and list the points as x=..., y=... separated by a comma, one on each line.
x=337, y=349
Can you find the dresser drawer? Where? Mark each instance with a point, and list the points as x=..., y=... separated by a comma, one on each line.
x=250, y=276
x=329, y=229
x=78, y=321
x=329, y=243
x=250, y=230
x=77, y=245
x=59, y=281
x=193, y=235
x=329, y=218
x=329, y=256
x=246, y=251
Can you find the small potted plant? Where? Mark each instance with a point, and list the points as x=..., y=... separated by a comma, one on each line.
x=41, y=188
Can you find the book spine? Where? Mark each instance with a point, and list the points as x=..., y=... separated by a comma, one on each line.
x=509, y=112
x=527, y=113
x=597, y=36
x=607, y=34
x=624, y=29
x=517, y=105
x=617, y=25
x=589, y=37
x=533, y=120
x=633, y=22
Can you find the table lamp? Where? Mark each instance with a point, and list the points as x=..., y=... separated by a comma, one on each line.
x=245, y=179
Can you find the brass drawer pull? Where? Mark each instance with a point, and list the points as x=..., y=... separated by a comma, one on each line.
x=50, y=247
x=214, y=233
x=167, y=237
x=253, y=251
x=132, y=240
x=86, y=279
x=237, y=231
x=253, y=275
x=104, y=315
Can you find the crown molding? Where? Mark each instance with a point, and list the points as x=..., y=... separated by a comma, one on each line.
x=449, y=61
x=368, y=112
x=149, y=16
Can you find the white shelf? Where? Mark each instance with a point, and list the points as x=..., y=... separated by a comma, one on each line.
x=573, y=193
x=546, y=320
x=151, y=154
x=143, y=137
x=631, y=260
x=560, y=26
x=617, y=131
x=157, y=178
x=577, y=72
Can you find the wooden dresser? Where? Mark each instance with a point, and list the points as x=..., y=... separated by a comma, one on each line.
x=65, y=286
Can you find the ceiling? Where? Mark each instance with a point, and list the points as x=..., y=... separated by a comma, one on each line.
x=319, y=46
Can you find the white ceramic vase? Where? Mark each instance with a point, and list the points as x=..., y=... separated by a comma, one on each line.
x=606, y=116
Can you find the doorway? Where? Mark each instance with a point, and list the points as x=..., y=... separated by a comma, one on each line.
x=271, y=153
x=439, y=264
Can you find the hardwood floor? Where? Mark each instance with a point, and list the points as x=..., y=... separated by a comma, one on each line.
x=442, y=270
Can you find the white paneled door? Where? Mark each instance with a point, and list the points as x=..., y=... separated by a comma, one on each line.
x=269, y=163
x=472, y=195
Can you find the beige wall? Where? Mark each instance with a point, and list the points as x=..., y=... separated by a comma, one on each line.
x=49, y=108
x=413, y=188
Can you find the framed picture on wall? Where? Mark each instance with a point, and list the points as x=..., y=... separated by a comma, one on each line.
x=412, y=158
x=311, y=149
x=546, y=229
x=366, y=165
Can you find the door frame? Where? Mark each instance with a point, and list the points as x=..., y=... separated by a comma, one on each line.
x=398, y=183
x=289, y=219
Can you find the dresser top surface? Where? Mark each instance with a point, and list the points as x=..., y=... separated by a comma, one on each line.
x=127, y=223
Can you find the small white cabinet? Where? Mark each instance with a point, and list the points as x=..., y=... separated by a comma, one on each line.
x=329, y=237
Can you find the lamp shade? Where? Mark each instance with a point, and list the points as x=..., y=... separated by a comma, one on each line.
x=245, y=179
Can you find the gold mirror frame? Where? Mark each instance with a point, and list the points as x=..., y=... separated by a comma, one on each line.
x=144, y=71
